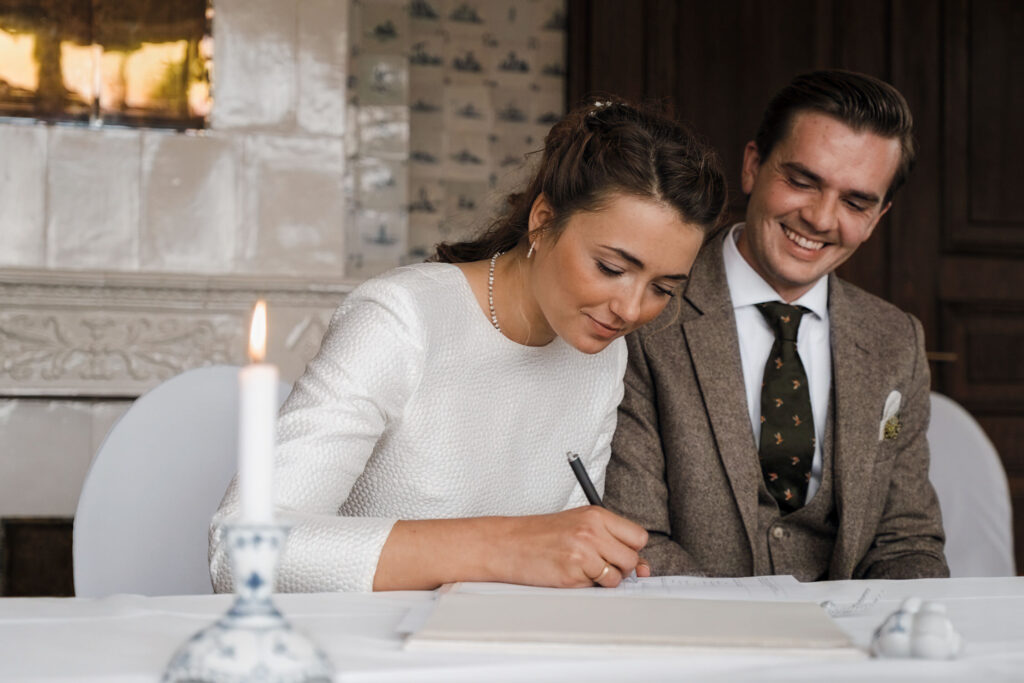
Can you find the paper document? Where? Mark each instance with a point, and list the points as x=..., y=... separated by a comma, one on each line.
x=570, y=618
x=738, y=588
x=714, y=588
x=839, y=598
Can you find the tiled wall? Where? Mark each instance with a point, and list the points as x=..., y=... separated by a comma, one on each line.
x=260, y=191
x=451, y=95
x=129, y=255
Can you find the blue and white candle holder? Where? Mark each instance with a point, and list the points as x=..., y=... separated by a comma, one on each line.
x=252, y=642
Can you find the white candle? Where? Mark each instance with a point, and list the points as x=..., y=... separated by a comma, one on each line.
x=257, y=419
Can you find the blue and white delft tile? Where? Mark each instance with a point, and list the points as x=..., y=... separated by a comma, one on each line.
x=382, y=80
x=468, y=156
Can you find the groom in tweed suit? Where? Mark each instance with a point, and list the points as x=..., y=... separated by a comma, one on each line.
x=739, y=467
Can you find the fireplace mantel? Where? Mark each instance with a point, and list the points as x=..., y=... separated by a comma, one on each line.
x=95, y=334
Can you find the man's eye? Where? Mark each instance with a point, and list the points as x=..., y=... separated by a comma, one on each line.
x=608, y=270
x=799, y=183
x=859, y=208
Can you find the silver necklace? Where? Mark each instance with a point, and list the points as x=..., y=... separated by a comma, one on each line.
x=490, y=292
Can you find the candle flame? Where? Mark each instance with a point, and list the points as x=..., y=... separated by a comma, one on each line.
x=258, y=333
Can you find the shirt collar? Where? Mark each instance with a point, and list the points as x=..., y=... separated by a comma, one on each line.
x=747, y=287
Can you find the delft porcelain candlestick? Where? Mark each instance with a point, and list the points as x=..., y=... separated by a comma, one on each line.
x=252, y=642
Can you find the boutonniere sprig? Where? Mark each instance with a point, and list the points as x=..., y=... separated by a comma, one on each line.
x=889, y=428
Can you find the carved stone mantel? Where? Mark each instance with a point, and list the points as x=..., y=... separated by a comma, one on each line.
x=91, y=334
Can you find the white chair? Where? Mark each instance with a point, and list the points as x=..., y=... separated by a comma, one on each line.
x=973, y=493
x=144, y=513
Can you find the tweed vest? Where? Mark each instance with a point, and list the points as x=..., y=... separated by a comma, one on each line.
x=801, y=542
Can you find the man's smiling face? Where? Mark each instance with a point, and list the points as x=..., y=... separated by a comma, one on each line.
x=815, y=199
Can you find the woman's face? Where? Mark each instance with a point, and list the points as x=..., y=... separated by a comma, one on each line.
x=611, y=270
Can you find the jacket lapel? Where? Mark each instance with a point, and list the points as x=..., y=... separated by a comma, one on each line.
x=709, y=328
x=855, y=432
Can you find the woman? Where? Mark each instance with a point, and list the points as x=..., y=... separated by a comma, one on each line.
x=427, y=441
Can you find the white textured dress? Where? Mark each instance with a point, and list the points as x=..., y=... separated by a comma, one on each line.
x=416, y=407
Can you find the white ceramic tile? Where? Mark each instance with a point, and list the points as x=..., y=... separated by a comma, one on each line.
x=470, y=201
x=45, y=451
x=22, y=195
x=547, y=108
x=468, y=157
x=384, y=27
x=465, y=18
x=384, y=131
x=355, y=22
x=427, y=150
x=351, y=126
x=512, y=64
x=513, y=162
x=424, y=234
x=468, y=109
x=382, y=184
x=466, y=61
x=93, y=198
x=293, y=220
x=550, y=18
x=254, y=82
x=511, y=106
x=425, y=15
x=426, y=102
x=550, y=59
x=379, y=241
x=383, y=80
x=426, y=197
x=427, y=58
x=511, y=19
x=189, y=202
x=323, y=64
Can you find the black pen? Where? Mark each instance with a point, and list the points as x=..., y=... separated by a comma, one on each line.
x=589, y=491
x=584, y=479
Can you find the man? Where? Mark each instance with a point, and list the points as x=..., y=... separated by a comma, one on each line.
x=775, y=422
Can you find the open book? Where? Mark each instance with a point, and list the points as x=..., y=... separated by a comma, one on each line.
x=554, y=620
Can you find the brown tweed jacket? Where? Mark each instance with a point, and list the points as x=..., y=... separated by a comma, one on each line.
x=684, y=464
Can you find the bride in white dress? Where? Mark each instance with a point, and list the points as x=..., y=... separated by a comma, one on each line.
x=426, y=442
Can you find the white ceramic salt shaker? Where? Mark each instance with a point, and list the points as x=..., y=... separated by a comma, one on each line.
x=893, y=637
x=933, y=635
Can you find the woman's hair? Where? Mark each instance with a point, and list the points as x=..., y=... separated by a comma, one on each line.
x=604, y=148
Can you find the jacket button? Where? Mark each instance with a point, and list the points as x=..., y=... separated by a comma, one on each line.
x=778, y=532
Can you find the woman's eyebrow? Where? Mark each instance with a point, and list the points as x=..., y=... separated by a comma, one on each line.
x=637, y=262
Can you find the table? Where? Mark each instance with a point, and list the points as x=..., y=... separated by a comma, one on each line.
x=129, y=638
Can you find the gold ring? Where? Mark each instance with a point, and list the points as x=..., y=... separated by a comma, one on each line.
x=604, y=572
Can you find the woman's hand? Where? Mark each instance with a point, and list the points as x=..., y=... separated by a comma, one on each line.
x=569, y=549
x=564, y=549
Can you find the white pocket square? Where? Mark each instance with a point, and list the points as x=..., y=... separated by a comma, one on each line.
x=889, y=427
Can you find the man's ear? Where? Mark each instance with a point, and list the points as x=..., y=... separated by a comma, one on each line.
x=871, y=228
x=751, y=165
x=541, y=215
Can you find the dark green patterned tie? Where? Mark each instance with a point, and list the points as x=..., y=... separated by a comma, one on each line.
x=787, y=426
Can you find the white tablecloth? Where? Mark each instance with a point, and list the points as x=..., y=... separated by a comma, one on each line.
x=128, y=638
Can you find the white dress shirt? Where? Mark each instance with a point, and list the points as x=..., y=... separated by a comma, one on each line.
x=747, y=288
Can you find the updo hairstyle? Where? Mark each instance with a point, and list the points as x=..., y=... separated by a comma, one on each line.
x=604, y=148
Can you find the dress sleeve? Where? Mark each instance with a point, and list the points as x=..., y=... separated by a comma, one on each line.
x=369, y=363
x=602, y=450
